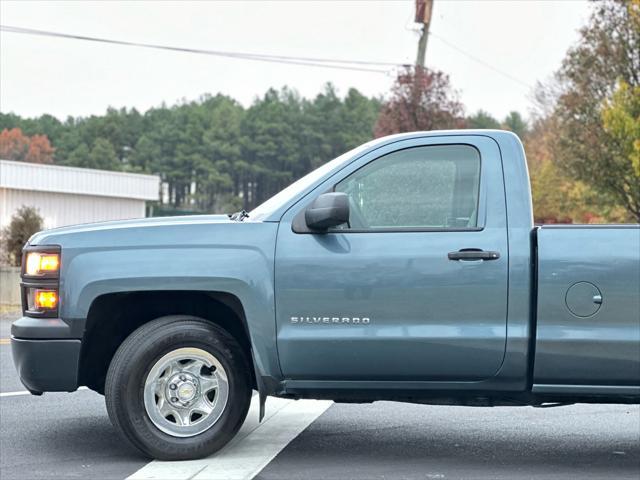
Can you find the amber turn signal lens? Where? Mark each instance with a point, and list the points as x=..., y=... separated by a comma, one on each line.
x=49, y=263
x=46, y=299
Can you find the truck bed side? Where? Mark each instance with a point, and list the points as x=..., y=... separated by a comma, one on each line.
x=588, y=310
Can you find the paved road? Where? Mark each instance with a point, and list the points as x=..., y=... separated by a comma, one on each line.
x=69, y=436
x=389, y=440
x=57, y=435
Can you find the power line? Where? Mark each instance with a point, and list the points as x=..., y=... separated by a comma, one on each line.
x=480, y=61
x=307, y=61
x=333, y=63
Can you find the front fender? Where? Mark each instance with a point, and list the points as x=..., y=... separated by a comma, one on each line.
x=243, y=271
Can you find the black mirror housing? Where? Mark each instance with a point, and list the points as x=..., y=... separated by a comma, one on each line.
x=328, y=210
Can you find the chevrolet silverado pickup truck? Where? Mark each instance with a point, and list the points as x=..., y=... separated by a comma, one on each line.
x=407, y=269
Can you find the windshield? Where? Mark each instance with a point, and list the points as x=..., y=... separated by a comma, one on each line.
x=281, y=198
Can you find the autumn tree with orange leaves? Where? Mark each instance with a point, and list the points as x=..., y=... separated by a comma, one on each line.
x=15, y=145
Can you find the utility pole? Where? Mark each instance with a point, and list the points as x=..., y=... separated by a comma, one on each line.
x=423, y=16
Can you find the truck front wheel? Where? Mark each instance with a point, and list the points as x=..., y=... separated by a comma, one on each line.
x=178, y=388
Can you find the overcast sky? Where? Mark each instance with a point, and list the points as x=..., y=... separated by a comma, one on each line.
x=524, y=39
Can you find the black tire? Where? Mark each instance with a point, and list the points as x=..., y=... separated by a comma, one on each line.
x=124, y=387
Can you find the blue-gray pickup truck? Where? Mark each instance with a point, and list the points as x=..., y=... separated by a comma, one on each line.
x=407, y=269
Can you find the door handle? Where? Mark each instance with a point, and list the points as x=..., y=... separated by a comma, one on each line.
x=473, y=254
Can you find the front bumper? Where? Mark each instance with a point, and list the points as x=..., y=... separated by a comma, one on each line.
x=45, y=363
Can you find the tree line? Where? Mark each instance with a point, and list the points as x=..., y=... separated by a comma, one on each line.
x=214, y=155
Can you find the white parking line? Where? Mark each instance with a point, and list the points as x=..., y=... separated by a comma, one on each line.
x=14, y=394
x=251, y=450
x=24, y=392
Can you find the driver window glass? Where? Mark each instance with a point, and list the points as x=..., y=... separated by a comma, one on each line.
x=421, y=187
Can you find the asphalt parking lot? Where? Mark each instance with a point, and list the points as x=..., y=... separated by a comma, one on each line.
x=70, y=436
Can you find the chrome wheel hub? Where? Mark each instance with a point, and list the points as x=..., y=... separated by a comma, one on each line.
x=186, y=392
x=181, y=389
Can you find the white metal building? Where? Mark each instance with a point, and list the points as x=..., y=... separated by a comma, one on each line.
x=69, y=195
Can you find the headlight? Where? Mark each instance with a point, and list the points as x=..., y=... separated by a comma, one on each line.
x=40, y=286
x=38, y=264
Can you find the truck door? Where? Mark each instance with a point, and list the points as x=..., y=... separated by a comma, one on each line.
x=414, y=288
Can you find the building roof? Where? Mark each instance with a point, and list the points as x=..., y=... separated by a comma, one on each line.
x=78, y=181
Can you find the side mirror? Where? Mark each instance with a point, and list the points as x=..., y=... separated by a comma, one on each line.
x=328, y=210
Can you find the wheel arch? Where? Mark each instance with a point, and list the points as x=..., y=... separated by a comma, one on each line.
x=112, y=317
